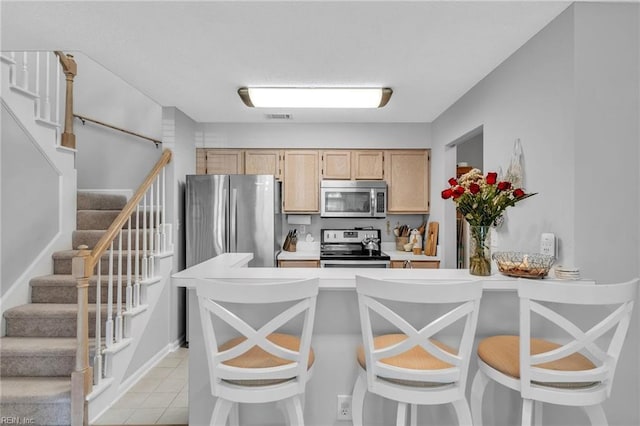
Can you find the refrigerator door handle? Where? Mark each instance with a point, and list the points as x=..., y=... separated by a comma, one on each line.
x=225, y=230
x=233, y=228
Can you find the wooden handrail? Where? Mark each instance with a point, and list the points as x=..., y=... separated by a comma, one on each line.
x=111, y=126
x=124, y=215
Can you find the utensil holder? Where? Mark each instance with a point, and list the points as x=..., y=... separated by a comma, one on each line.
x=400, y=242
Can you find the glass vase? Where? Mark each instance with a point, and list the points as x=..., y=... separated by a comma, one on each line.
x=479, y=250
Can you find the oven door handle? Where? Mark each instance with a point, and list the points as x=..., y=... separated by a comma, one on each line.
x=364, y=263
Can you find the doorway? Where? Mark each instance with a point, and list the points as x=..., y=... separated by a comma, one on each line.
x=469, y=154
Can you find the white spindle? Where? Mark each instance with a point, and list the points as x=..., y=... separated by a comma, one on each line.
x=97, y=357
x=12, y=69
x=37, y=104
x=25, y=71
x=57, y=99
x=163, y=212
x=157, y=214
x=119, y=292
x=144, y=237
x=108, y=330
x=46, y=107
x=151, y=272
x=136, y=289
x=129, y=289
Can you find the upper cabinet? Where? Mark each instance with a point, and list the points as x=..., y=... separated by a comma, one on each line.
x=224, y=161
x=301, y=179
x=368, y=165
x=263, y=162
x=407, y=176
x=336, y=164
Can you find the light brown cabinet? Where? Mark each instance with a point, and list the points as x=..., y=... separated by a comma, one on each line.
x=301, y=181
x=224, y=162
x=298, y=263
x=263, y=162
x=336, y=164
x=368, y=165
x=416, y=264
x=407, y=176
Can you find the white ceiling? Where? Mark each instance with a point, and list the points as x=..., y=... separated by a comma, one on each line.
x=195, y=55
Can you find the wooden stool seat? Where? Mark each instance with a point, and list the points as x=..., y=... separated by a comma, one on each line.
x=503, y=354
x=256, y=357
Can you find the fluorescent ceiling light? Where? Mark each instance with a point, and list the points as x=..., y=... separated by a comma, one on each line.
x=315, y=97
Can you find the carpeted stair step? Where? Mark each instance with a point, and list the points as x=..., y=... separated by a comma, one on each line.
x=36, y=400
x=49, y=320
x=90, y=238
x=102, y=219
x=39, y=356
x=100, y=201
x=62, y=262
x=62, y=289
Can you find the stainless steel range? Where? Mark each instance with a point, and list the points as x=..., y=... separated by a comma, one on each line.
x=352, y=248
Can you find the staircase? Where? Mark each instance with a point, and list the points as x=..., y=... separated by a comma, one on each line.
x=37, y=355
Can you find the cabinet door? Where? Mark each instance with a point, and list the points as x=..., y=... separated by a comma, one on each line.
x=263, y=162
x=407, y=176
x=201, y=161
x=336, y=164
x=225, y=162
x=416, y=264
x=301, y=181
x=368, y=165
x=298, y=263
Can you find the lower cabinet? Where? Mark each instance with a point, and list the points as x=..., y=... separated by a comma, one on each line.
x=416, y=264
x=298, y=263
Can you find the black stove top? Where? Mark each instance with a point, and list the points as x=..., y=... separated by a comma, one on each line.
x=346, y=244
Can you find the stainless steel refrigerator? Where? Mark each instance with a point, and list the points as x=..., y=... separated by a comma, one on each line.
x=232, y=214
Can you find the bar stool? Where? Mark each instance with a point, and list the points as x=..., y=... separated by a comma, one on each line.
x=410, y=366
x=259, y=365
x=575, y=373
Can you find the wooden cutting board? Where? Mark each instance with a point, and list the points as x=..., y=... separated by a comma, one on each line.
x=431, y=240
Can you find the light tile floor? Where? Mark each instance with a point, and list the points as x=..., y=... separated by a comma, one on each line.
x=160, y=397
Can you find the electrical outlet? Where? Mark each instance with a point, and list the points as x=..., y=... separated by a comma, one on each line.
x=548, y=244
x=344, y=407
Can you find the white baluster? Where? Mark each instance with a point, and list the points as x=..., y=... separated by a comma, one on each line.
x=136, y=287
x=58, y=100
x=119, y=291
x=129, y=293
x=12, y=69
x=108, y=331
x=151, y=235
x=25, y=72
x=97, y=357
x=46, y=105
x=37, y=103
x=145, y=259
x=165, y=247
x=157, y=215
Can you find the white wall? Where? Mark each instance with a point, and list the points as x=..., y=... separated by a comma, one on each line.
x=108, y=159
x=179, y=136
x=571, y=95
x=313, y=135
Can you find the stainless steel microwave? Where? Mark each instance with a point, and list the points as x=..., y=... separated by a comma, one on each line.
x=353, y=198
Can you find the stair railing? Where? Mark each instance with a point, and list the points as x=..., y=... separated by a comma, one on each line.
x=155, y=239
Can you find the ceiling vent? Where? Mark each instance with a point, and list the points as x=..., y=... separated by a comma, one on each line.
x=278, y=116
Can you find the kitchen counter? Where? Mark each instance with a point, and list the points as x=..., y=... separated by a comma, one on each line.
x=336, y=335
x=311, y=251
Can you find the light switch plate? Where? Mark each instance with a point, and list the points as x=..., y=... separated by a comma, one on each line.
x=548, y=244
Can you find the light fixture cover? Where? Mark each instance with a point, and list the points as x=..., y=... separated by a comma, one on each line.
x=315, y=97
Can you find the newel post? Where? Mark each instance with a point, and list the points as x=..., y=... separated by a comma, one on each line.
x=70, y=70
x=81, y=378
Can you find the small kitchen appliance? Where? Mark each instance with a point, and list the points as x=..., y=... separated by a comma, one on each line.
x=352, y=248
x=353, y=198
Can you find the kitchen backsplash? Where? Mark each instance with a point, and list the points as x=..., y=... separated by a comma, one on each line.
x=318, y=223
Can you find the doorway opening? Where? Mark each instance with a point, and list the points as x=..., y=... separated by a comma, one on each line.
x=469, y=154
